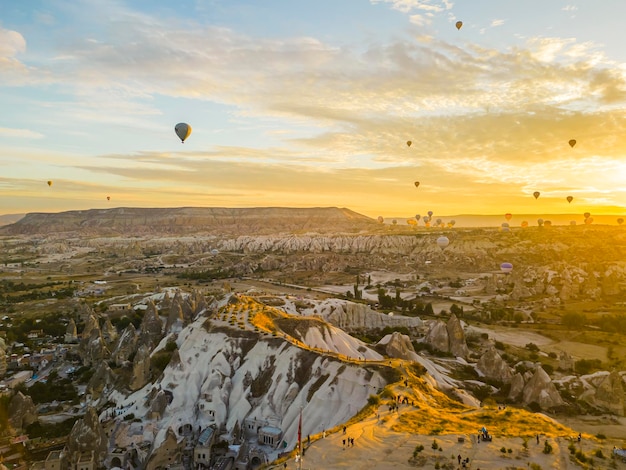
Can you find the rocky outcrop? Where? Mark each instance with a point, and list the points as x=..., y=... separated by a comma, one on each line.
x=90, y=326
x=22, y=411
x=541, y=390
x=87, y=435
x=109, y=332
x=517, y=387
x=151, y=328
x=492, y=366
x=437, y=336
x=94, y=350
x=399, y=346
x=609, y=394
x=456, y=338
x=126, y=345
x=158, y=404
x=352, y=316
x=141, y=368
x=70, y=332
x=102, y=377
x=566, y=361
x=170, y=450
x=448, y=337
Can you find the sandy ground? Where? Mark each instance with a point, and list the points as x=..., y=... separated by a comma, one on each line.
x=376, y=446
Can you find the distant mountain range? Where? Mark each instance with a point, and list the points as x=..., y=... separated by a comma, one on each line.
x=245, y=221
x=190, y=220
x=7, y=219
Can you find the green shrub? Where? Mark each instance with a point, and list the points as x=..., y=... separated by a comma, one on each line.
x=547, y=448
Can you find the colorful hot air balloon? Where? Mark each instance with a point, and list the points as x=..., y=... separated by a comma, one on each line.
x=508, y=216
x=589, y=220
x=443, y=242
x=540, y=222
x=506, y=268
x=572, y=142
x=452, y=222
x=547, y=223
x=49, y=183
x=430, y=213
x=569, y=198
x=536, y=194
x=417, y=183
x=459, y=25
x=586, y=215
x=620, y=221
x=417, y=217
x=183, y=130
x=524, y=223
x=438, y=221
x=394, y=222
x=411, y=221
x=408, y=143
x=380, y=219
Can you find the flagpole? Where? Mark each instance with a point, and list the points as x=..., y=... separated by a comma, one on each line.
x=300, y=441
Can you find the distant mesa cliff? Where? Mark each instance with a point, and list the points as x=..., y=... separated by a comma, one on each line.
x=185, y=220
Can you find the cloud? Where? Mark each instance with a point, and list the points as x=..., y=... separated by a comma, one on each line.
x=570, y=8
x=484, y=116
x=406, y=6
x=497, y=22
x=20, y=133
x=11, y=43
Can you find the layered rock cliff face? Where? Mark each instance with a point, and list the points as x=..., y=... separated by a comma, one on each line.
x=184, y=220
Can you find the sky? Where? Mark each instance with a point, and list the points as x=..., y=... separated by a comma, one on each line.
x=311, y=104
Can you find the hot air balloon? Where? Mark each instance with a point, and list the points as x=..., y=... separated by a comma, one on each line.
x=49, y=183
x=540, y=222
x=505, y=224
x=430, y=213
x=417, y=217
x=572, y=222
x=508, y=216
x=442, y=242
x=411, y=221
x=408, y=143
x=547, y=223
x=620, y=221
x=572, y=142
x=438, y=221
x=506, y=268
x=108, y=198
x=426, y=220
x=459, y=24
x=394, y=222
x=452, y=222
x=183, y=130
x=589, y=220
x=569, y=198
x=380, y=219
x=586, y=215
x=524, y=223
x=417, y=183
x=536, y=194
